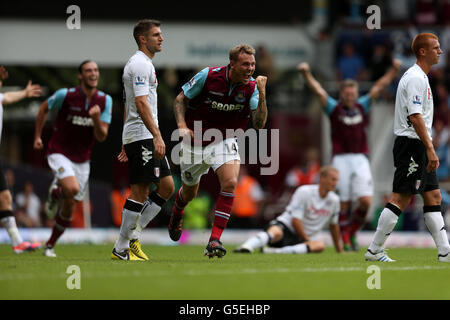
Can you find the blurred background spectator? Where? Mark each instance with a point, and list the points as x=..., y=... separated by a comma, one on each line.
x=248, y=202
x=29, y=207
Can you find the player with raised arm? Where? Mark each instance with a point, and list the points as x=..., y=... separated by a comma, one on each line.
x=143, y=146
x=218, y=99
x=415, y=159
x=312, y=207
x=7, y=219
x=83, y=116
x=349, y=119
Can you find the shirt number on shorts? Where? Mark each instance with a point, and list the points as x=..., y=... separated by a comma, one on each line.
x=231, y=147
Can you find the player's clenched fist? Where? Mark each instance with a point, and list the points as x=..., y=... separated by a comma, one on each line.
x=94, y=111
x=303, y=67
x=38, y=144
x=261, y=82
x=261, y=85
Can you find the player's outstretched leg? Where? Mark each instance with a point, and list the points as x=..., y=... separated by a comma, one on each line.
x=259, y=240
x=301, y=248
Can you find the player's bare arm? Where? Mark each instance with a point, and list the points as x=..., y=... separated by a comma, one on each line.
x=312, y=83
x=31, y=91
x=179, y=109
x=3, y=75
x=40, y=121
x=144, y=110
x=299, y=229
x=100, y=127
x=385, y=80
x=421, y=130
x=122, y=157
x=259, y=116
x=336, y=236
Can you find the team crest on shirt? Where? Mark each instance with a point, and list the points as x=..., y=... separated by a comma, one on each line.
x=416, y=100
x=188, y=176
x=140, y=80
x=60, y=170
x=240, y=97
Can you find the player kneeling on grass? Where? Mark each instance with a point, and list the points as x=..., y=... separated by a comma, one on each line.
x=310, y=209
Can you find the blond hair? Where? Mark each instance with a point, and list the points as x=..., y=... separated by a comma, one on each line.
x=349, y=83
x=235, y=51
x=326, y=169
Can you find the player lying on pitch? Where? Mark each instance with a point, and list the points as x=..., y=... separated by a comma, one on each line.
x=311, y=208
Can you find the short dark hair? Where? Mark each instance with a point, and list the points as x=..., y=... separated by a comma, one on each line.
x=142, y=27
x=80, y=67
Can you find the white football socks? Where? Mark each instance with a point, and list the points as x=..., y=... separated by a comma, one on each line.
x=435, y=224
x=149, y=212
x=130, y=216
x=386, y=223
x=301, y=248
x=258, y=241
x=9, y=223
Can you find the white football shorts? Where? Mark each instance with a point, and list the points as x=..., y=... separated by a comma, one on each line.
x=63, y=167
x=355, y=177
x=195, y=161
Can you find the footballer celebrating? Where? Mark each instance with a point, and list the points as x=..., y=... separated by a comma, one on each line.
x=219, y=99
x=349, y=119
x=83, y=116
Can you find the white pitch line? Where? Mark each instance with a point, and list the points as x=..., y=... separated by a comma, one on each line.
x=194, y=273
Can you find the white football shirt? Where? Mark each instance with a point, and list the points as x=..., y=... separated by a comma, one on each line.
x=315, y=212
x=139, y=79
x=413, y=96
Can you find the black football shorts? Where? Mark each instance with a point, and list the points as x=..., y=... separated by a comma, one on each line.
x=3, y=184
x=143, y=167
x=289, y=238
x=410, y=161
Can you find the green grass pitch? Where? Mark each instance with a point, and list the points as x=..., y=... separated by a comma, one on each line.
x=183, y=273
